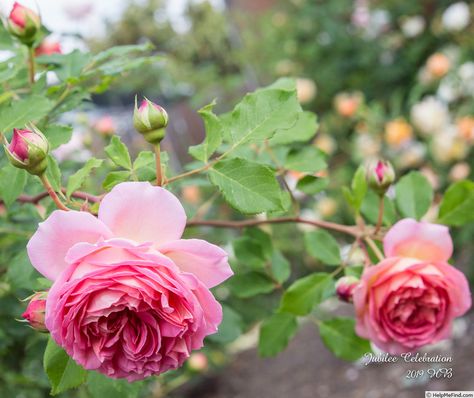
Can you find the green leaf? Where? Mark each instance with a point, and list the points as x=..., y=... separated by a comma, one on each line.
x=311, y=185
x=118, y=153
x=275, y=334
x=144, y=159
x=414, y=195
x=280, y=267
x=305, y=293
x=321, y=245
x=249, y=253
x=57, y=134
x=53, y=172
x=62, y=371
x=67, y=66
x=370, y=209
x=19, y=113
x=339, y=337
x=114, y=178
x=303, y=130
x=457, y=206
x=20, y=273
x=248, y=187
x=230, y=327
x=12, y=183
x=100, y=386
x=80, y=176
x=250, y=284
x=261, y=113
x=213, y=138
x=122, y=51
x=308, y=160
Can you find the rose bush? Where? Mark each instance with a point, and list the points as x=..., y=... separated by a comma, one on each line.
x=130, y=298
x=410, y=299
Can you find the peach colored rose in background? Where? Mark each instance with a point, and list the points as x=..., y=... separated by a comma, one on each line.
x=130, y=298
x=48, y=47
x=410, y=299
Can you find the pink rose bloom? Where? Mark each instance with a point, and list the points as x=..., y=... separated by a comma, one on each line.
x=410, y=299
x=130, y=298
x=48, y=47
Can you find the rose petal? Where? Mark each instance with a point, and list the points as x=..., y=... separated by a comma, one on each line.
x=203, y=259
x=47, y=248
x=421, y=240
x=142, y=212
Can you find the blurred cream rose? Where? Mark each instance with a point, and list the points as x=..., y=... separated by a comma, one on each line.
x=412, y=155
x=367, y=145
x=465, y=127
x=347, y=104
x=326, y=143
x=447, y=146
x=430, y=115
x=456, y=17
x=412, y=26
x=305, y=90
x=459, y=171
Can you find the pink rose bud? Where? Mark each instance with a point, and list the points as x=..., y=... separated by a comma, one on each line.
x=48, y=47
x=28, y=150
x=345, y=287
x=35, y=312
x=105, y=125
x=380, y=175
x=24, y=23
x=150, y=120
x=198, y=362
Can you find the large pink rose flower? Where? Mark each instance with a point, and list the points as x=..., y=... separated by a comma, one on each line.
x=130, y=298
x=411, y=298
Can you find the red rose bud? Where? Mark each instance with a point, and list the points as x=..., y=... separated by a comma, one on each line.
x=48, y=47
x=24, y=23
x=35, y=312
x=150, y=120
x=28, y=150
x=345, y=287
x=380, y=175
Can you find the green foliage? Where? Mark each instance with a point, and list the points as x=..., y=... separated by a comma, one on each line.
x=322, y=246
x=100, y=386
x=304, y=129
x=117, y=152
x=370, y=209
x=213, y=138
x=275, y=334
x=457, y=207
x=339, y=337
x=312, y=185
x=12, y=183
x=80, y=176
x=307, y=159
x=251, y=283
x=248, y=187
x=414, y=195
x=19, y=113
x=62, y=371
x=355, y=197
x=306, y=293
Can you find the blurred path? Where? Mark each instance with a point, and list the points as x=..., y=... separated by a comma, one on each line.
x=307, y=370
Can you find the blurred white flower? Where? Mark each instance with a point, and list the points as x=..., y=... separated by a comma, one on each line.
x=412, y=26
x=305, y=89
x=412, y=155
x=459, y=171
x=447, y=146
x=448, y=90
x=466, y=74
x=379, y=22
x=361, y=15
x=430, y=115
x=366, y=145
x=456, y=17
x=74, y=149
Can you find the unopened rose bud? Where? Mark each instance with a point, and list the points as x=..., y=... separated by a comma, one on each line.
x=24, y=23
x=48, y=47
x=28, y=150
x=198, y=362
x=345, y=287
x=35, y=312
x=380, y=175
x=150, y=120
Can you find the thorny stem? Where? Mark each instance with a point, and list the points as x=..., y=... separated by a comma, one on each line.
x=159, y=175
x=380, y=216
x=37, y=198
x=350, y=230
x=52, y=193
x=374, y=248
x=31, y=64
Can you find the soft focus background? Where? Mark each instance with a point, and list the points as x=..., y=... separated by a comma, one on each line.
x=393, y=78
